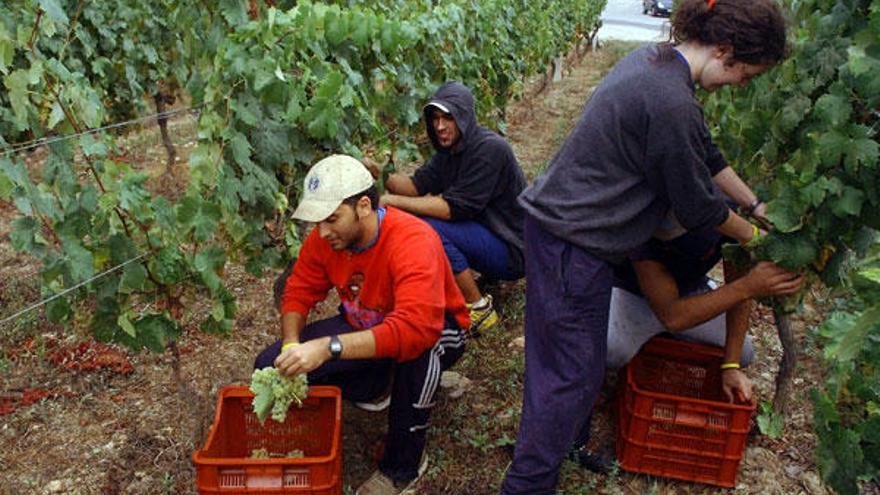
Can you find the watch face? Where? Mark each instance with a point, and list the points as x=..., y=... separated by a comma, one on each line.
x=335, y=347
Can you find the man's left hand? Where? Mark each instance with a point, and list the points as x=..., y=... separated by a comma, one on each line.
x=373, y=167
x=736, y=386
x=303, y=358
x=386, y=200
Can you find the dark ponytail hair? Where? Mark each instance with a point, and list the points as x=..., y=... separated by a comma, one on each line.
x=753, y=29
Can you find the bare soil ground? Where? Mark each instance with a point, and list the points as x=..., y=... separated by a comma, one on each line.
x=115, y=430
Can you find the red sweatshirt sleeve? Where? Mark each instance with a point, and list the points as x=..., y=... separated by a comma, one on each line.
x=416, y=322
x=309, y=283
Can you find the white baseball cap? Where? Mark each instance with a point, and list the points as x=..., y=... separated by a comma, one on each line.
x=436, y=104
x=328, y=183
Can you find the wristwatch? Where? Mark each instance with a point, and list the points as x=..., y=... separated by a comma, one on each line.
x=335, y=347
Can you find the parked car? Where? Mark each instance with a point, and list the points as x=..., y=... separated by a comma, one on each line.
x=657, y=7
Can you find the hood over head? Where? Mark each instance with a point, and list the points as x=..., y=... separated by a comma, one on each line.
x=458, y=100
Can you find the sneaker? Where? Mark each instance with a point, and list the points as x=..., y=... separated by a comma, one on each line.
x=379, y=484
x=482, y=319
x=379, y=404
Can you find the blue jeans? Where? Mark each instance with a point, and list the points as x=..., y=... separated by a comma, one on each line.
x=471, y=245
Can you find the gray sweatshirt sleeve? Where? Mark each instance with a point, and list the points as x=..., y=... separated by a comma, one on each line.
x=714, y=159
x=677, y=161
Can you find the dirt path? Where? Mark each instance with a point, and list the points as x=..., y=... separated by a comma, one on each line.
x=129, y=432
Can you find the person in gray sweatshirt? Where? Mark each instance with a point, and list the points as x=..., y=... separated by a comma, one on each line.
x=639, y=161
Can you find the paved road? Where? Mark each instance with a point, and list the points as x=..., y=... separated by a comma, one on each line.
x=623, y=20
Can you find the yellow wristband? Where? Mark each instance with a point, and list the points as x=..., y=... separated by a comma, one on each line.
x=755, y=233
x=289, y=344
x=730, y=366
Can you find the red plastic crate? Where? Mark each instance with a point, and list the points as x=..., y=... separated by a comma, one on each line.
x=224, y=466
x=674, y=420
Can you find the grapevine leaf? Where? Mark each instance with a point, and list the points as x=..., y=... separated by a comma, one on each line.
x=263, y=398
x=207, y=263
x=234, y=11
x=295, y=104
x=59, y=70
x=6, y=187
x=361, y=32
x=23, y=235
x=832, y=146
x=335, y=27
x=786, y=212
x=54, y=11
x=79, y=260
x=58, y=310
x=849, y=202
x=271, y=144
x=7, y=52
x=56, y=116
x=92, y=146
x=858, y=62
x=17, y=83
x=840, y=458
x=771, y=423
x=218, y=312
x=247, y=108
x=241, y=149
x=789, y=250
x=833, y=109
x=126, y=325
x=89, y=107
x=793, y=112
x=323, y=114
x=167, y=266
x=155, y=331
x=855, y=338
x=263, y=78
x=75, y=225
x=864, y=152
x=203, y=165
x=134, y=278
x=166, y=221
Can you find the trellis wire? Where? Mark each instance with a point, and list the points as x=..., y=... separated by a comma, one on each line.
x=36, y=143
x=69, y=290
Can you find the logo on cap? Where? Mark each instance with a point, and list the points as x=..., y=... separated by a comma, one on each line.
x=314, y=182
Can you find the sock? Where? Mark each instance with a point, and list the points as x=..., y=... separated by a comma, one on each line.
x=481, y=304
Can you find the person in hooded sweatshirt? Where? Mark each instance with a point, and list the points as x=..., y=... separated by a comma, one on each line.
x=468, y=193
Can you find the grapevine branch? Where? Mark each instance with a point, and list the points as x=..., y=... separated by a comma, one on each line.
x=79, y=7
x=33, y=36
x=788, y=361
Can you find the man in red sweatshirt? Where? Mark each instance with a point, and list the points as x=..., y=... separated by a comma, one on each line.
x=401, y=313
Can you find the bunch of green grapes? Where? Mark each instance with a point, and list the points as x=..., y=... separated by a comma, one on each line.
x=275, y=392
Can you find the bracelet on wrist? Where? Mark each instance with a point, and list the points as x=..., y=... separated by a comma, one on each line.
x=287, y=345
x=730, y=366
x=755, y=233
x=748, y=210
